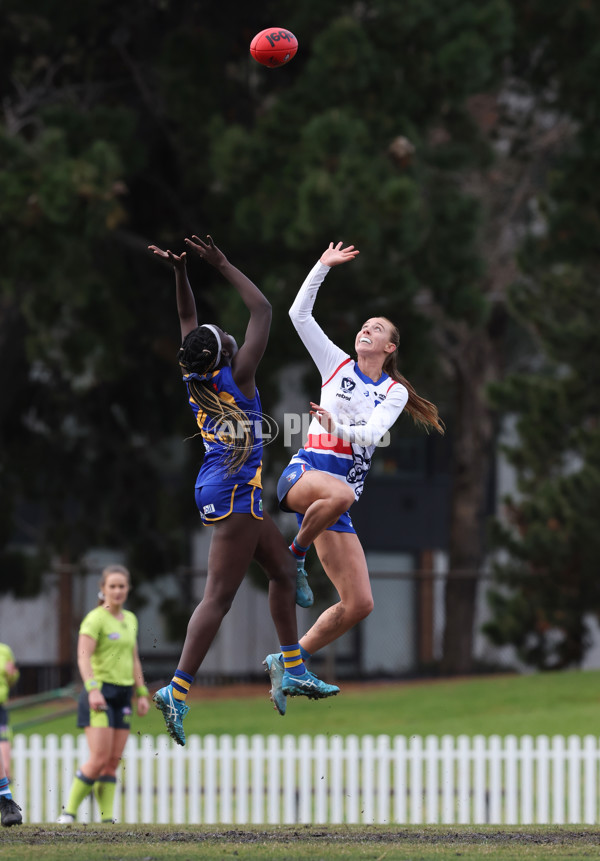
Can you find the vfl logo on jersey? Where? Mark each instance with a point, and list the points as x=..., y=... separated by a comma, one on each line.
x=114, y=635
x=346, y=386
x=209, y=509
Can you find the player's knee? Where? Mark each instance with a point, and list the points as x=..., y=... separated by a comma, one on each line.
x=361, y=608
x=98, y=763
x=222, y=603
x=341, y=499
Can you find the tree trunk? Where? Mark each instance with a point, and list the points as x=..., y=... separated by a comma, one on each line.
x=474, y=364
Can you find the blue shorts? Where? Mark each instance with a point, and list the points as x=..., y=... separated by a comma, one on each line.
x=289, y=477
x=217, y=501
x=5, y=733
x=118, y=708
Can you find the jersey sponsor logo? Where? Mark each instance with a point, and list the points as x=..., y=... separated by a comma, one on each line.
x=345, y=397
x=114, y=635
x=366, y=394
x=347, y=384
x=209, y=509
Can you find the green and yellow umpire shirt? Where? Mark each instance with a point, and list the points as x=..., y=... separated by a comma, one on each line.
x=112, y=660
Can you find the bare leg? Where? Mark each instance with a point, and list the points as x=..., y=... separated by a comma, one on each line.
x=343, y=559
x=273, y=555
x=115, y=752
x=5, y=753
x=100, y=742
x=105, y=785
x=232, y=547
x=322, y=499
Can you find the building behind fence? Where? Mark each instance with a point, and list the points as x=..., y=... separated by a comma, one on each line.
x=325, y=779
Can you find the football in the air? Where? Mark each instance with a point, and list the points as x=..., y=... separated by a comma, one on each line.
x=273, y=47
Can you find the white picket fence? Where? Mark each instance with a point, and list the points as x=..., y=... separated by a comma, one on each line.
x=325, y=779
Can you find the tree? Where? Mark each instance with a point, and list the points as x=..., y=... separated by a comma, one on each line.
x=395, y=156
x=547, y=573
x=87, y=395
x=370, y=134
x=133, y=123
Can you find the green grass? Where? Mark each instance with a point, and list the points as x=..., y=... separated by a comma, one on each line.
x=551, y=703
x=313, y=843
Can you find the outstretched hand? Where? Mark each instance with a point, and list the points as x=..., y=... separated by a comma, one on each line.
x=335, y=255
x=207, y=250
x=176, y=260
x=323, y=416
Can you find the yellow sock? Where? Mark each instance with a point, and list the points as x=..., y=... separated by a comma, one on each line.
x=104, y=790
x=80, y=789
x=181, y=683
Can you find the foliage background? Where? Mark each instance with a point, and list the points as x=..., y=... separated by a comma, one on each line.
x=429, y=134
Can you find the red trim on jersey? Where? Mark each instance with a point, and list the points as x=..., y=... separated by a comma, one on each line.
x=345, y=362
x=394, y=383
x=334, y=444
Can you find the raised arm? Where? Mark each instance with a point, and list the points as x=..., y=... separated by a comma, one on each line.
x=186, y=305
x=246, y=360
x=324, y=353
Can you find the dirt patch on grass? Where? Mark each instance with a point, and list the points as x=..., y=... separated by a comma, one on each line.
x=289, y=834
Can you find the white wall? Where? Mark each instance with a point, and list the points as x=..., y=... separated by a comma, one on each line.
x=30, y=627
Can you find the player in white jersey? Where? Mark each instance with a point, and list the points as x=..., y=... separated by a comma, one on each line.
x=360, y=401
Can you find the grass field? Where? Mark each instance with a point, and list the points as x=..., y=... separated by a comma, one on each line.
x=553, y=703
x=282, y=843
x=550, y=703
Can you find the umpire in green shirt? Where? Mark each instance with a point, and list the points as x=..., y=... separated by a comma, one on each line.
x=109, y=663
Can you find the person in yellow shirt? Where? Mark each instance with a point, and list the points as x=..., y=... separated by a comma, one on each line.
x=9, y=675
x=109, y=663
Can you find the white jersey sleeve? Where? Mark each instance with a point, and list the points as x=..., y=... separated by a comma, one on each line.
x=325, y=354
x=380, y=421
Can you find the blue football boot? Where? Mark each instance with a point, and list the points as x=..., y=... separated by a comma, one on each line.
x=304, y=594
x=275, y=670
x=173, y=712
x=307, y=685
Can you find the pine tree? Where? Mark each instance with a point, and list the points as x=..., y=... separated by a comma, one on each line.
x=549, y=537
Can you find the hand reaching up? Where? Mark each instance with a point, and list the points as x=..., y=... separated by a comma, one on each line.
x=207, y=250
x=178, y=261
x=335, y=255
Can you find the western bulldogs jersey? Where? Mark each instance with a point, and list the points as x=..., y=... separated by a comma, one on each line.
x=363, y=409
x=220, y=437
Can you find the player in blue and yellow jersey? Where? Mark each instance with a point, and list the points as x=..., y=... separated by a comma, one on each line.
x=221, y=389
x=110, y=667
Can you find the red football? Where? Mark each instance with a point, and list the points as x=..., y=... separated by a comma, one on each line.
x=273, y=47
